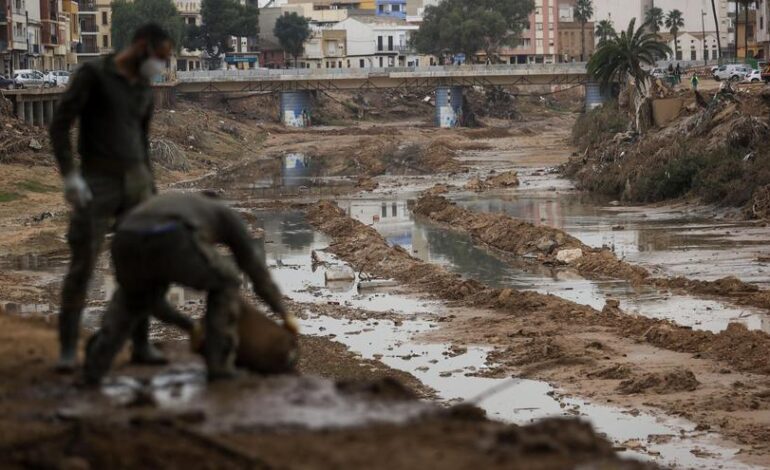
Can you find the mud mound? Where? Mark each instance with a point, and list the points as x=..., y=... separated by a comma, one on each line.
x=508, y=179
x=679, y=380
x=747, y=131
x=759, y=207
x=23, y=144
x=367, y=250
x=517, y=237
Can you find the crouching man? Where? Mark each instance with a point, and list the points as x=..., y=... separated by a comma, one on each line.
x=171, y=239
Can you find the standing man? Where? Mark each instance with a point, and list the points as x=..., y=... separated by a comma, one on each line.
x=113, y=100
x=694, y=81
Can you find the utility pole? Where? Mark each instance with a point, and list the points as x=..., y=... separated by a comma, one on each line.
x=703, y=31
x=716, y=24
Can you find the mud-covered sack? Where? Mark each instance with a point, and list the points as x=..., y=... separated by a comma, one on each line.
x=265, y=346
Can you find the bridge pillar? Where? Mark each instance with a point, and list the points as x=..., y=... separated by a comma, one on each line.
x=295, y=108
x=48, y=111
x=594, y=96
x=449, y=106
x=21, y=109
x=29, y=112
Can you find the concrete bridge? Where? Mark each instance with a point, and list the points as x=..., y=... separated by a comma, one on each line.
x=296, y=85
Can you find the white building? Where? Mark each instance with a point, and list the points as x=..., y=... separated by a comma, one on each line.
x=378, y=42
x=691, y=46
x=620, y=12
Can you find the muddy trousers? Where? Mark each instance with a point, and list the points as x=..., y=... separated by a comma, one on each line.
x=86, y=239
x=145, y=265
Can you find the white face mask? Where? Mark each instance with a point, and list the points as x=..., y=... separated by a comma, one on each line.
x=152, y=67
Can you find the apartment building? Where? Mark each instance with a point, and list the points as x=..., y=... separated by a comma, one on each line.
x=54, y=25
x=569, y=43
x=95, y=20
x=538, y=42
x=391, y=8
x=337, y=4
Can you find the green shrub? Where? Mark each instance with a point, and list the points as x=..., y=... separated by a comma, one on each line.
x=598, y=125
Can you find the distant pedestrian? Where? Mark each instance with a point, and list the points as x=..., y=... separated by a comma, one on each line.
x=694, y=81
x=678, y=72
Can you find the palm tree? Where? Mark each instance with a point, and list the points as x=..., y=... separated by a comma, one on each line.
x=621, y=58
x=654, y=19
x=584, y=10
x=605, y=31
x=674, y=21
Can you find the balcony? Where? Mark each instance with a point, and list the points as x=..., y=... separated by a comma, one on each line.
x=88, y=27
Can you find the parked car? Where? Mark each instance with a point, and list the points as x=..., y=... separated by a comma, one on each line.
x=658, y=72
x=57, y=78
x=26, y=78
x=753, y=77
x=734, y=72
x=7, y=83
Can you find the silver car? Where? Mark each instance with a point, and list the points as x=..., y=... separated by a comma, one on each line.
x=27, y=78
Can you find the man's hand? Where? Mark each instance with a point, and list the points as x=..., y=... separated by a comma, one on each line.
x=290, y=323
x=76, y=190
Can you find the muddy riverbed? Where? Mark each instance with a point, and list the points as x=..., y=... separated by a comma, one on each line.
x=363, y=323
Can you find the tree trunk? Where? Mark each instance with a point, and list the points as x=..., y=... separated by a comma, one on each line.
x=676, y=47
x=746, y=31
x=582, y=41
x=643, y=106
x=716, y=24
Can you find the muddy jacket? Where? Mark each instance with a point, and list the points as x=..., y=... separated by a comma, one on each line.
x=114, y=121
x=213, y=223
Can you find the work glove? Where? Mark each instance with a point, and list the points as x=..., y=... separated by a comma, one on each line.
x=76, y=190
x=290, y=323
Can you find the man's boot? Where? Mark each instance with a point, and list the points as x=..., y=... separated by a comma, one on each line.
x=143, y=351
x=69, y=329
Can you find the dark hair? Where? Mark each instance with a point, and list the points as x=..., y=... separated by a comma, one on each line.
x=153, y=34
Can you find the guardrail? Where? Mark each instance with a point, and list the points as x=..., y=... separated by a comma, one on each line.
x=574, y=68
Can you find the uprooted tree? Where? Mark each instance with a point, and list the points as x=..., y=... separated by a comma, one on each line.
x=620, y=60
x=472, y=26
x=222, y=20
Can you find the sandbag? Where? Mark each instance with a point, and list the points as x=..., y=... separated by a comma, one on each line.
x=264, y=346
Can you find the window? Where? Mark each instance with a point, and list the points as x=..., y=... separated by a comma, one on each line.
x=105, y=40
x=394, y=211
x=380, y=62
x=361, y=63
x=379, y=43
x=104, y=17
x=761, y=22
x=693, y=55
x=538, y=43
x=539, y=26
x=705, y=54
x=390, y=43
x=384, y=211
x=19, y=5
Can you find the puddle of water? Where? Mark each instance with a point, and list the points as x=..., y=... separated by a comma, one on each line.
x=431, y=243
x=276, y=401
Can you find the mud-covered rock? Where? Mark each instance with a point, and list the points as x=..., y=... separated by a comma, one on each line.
x=679, y=380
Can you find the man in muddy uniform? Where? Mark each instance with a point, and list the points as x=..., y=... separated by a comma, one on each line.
x=171, y=239
x=112, y=99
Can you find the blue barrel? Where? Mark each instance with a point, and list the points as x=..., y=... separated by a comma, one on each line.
x=449, y=106
x=296, y=107
x=594, y=96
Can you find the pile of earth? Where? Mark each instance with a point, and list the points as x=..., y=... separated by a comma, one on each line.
x=551, y=246
x=20, y=142
x=714, y=150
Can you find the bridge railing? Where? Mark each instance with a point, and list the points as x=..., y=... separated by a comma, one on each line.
x=322, y=74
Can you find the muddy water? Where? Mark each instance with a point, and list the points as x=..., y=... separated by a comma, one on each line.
x=391, y=217
x=453, y=373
